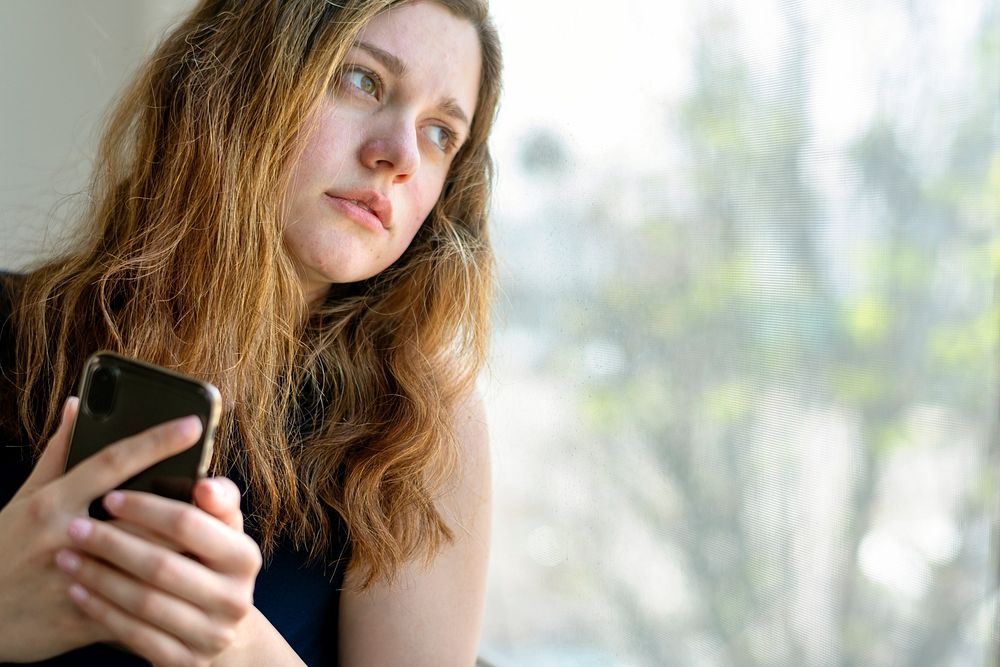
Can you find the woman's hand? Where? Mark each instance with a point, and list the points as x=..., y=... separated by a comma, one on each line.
x=37, y=618
x=170, y=608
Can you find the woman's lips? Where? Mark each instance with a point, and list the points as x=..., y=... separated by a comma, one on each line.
x=356, y=212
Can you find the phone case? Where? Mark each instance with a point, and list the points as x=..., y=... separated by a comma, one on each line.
x=120, y=397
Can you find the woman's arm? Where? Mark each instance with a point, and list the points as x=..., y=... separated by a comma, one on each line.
x=431, y=617
x=258, y=643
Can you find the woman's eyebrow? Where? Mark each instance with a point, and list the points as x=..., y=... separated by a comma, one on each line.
x=451, y=108
x=398, y=68
x=389, y=61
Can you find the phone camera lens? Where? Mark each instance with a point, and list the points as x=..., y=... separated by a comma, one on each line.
x=101, y=394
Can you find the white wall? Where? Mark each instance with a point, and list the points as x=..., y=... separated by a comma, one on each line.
x=61, y=63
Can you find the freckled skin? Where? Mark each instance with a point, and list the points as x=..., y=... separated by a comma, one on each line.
x=385, y=138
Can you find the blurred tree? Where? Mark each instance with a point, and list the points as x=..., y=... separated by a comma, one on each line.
x=724, y=336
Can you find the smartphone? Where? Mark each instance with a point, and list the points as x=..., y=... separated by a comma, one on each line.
x=120, y=397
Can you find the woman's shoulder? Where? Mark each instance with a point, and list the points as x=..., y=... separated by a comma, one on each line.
x=448, y=594
x=467, y=500
x=472, y=434
x=10, y=283
x=15, y=454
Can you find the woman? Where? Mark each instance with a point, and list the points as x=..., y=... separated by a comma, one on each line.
x=290, y=202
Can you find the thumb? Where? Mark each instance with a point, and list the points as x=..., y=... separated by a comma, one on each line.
x=220, y=497
x=52, y=463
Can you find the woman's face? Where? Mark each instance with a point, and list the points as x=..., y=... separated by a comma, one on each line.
x=382, y=144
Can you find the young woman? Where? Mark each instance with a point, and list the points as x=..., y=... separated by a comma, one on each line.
x=290, y=201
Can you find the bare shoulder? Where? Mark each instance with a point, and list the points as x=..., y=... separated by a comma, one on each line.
x=433, y=615
x=472, y=483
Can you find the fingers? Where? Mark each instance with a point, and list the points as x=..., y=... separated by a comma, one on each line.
x=220, y=497
x=151, y=606
x=147, y=535
x=143, y=638
x=52, y=462
x=167, y=607
x=214, y=593
x=116, y=463
x=215, y=543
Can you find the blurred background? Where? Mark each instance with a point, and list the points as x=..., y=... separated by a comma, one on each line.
x=745, y=392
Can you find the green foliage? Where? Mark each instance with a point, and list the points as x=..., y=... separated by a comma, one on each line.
x=969, y=346
x=867, y=320
x=754, y=352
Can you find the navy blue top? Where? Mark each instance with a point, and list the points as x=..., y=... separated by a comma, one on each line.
x=300, y=600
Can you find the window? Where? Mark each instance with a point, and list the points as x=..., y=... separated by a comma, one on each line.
x=744, y=401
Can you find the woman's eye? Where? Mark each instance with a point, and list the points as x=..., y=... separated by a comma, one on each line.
x=363, y=81
x=442, y=137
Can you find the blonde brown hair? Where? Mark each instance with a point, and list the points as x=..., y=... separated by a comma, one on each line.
x=181, y=263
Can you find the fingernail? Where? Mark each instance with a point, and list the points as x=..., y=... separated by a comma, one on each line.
x=78, y=593
x=189, y=427
x=211, y=488
x=80, y=529
x=67, y=560
x=219, y=489
x=68, y=405
x=114, y=500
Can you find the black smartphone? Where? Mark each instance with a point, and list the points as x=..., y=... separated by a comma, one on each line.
x=120, y=397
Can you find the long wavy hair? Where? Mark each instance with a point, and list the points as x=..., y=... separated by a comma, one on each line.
x=346, y=407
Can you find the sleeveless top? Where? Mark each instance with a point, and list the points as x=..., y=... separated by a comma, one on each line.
x=300, y=599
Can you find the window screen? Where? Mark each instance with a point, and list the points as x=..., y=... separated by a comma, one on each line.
x=744, y=395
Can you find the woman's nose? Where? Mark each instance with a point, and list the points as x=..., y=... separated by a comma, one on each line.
x=393, y=147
